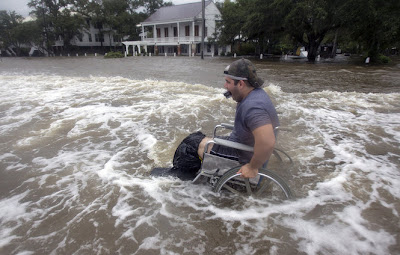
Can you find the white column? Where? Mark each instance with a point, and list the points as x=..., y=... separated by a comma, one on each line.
x=155, y=33
x=142, y=32
x=139, y=48
x=178, y=33
x=193, y=31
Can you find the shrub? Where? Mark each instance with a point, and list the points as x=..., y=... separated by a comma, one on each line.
x=383, y=59
x=114, y=54
x=246, y=49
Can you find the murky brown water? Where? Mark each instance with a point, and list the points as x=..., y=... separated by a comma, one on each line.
x=80, y=135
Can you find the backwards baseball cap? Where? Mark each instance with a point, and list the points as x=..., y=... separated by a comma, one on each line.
x=243, y=69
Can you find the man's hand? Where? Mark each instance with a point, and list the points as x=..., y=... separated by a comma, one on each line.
x=246, y=171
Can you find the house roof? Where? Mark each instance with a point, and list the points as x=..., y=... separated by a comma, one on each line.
x=176, y=12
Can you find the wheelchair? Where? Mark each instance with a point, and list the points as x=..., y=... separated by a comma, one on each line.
x=221, y=173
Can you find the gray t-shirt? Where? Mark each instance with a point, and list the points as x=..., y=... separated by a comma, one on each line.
x=252, y=112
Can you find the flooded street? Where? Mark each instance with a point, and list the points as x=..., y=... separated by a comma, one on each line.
x=79, y=137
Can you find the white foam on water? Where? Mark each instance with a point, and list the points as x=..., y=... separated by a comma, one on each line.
x=83, y=148
x=25, y=253
x=12, y=212
x=346, y=134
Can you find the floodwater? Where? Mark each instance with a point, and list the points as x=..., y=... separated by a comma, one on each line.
x=79, y=137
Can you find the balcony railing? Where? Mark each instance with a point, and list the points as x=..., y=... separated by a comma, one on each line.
x=181, y=39
x=59, y=43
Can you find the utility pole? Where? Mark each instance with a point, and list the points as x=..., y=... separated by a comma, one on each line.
x=203, y=7
x=45, y=30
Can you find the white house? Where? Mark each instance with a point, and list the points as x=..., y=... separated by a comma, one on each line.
x=91, y=37
x=178, y=29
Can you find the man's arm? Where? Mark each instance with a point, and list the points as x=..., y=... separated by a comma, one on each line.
x=264, y=138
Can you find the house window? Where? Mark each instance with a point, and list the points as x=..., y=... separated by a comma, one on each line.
x=166, y=32
x=158, y=32
x=90, y=37
x=208, y=47
x=184, y=48
x=175, y=32
x=205, y=32
x=99, y=38
x=80, y=36
x=98, y=25
x=196, y=30
x=187, y=30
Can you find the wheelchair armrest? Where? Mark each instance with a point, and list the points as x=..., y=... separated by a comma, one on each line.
x=230, y=127
x=222, y=125
x=235, y=145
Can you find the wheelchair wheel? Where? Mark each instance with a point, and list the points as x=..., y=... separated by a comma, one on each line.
x=277, y=153
x=270, y=185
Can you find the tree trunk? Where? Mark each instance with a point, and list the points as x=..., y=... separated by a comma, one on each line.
x=333, y=53
x=312, y=50
x=314, y=41
x=373, y=51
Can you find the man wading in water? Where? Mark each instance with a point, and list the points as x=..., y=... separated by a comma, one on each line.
x=254, y=125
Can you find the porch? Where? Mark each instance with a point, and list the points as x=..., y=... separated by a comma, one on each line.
x=170, y=45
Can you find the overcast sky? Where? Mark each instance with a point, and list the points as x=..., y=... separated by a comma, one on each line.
x=21, y=6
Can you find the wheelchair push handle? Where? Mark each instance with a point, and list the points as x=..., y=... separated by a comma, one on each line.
x=226, y=125
x=280, y=128
x=222, y=125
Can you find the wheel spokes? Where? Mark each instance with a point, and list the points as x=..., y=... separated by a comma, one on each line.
x=263, y=187
x=270, y=185
x=226, y=186
x=248, y=188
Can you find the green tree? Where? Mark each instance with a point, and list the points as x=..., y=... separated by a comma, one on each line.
x=263, y=24
x=232, y=19
x=43, y=9
x=57, y=21
x=374, y=24
x=116, y=17
x=28, y=34
x=16, y=33
x=309, y=21
x=67, y=26
x=94, y=12
x=151, y=6
x=9, y=21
